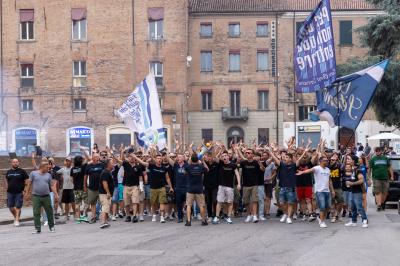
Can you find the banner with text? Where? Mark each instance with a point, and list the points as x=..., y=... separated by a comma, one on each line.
x=314, y=55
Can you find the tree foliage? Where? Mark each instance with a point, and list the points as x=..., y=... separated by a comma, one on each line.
x=382, y=36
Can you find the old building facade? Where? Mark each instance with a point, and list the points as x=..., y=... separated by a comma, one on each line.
x=223, y=68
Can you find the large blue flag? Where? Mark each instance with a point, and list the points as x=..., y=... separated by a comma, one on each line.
x=314, y=55
x=345, y=102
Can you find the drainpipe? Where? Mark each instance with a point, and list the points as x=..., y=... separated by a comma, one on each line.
x=277, y=77
x=4, y=116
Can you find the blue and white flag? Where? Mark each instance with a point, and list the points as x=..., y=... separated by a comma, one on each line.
x=314, y=55
x=141, y=113
x=345, y=102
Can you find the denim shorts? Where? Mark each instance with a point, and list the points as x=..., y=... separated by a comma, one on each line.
x=347, y=198
x=323, y=200
x=287, y=195
x=147, y=192
x=118, y=193
x=15, y=200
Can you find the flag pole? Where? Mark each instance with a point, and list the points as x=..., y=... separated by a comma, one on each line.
x=338, y=114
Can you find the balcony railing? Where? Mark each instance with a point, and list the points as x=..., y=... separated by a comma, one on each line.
x=227, y=114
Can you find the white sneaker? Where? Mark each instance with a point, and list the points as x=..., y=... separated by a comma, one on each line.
x=283, y=218
x=46, y=223
x=304, y=218
x=162, y=219
x=215, y=220
x=350, y=223
x=229, y=220
x=319, y=220
x=154, y=219
x=323, y=225
x=113, y=218
x=262, y=218
x=199, y=217
x=364, y=224
x=295, y=216
x=289, y=220
x=16, y=223
x=248, y=219
x=255, y=220
x=141, y=218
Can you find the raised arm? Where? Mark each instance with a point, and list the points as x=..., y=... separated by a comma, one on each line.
x=274, y=158
x=146, y=164
x=237, y=178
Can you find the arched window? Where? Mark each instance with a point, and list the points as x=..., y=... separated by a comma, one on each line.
x=235, y=135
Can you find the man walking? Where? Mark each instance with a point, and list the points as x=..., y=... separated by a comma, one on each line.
x=106, y=189
x=16, y=178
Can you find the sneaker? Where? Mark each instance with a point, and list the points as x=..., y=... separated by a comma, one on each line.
x=283, y=218
x=120, y=215
x=171, y=217
x=333, y=220
x=199, y=217
x=154, y=219
x=102, y=226
x=364, y=224
x=215, y=220
x=262, y=218
x=323, y=225
x=339, y=219
x=84, y=219
x=344, y=214
x=378, y=208
x=289, y=220
x=350, y=214
x=52, y=230
x=304, y=218
x=295, y=216
x=135, y=219
x=35, y=232
x=16, y=224
x=255, y=220
x=188, y=223
x=312, y=218
x=204, y=223
x=319, y=220
x=228, y=220
x=92, y=221
x=128, y=219
x=141, y=218
x=162, y=220
x=279, y=213
x=350, y=223
x=46, y=223
x=180, y=221
x=248, y=219
x=113, y=218
x=209, y=220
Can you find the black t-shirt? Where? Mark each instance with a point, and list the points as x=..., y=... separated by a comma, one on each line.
x=260, y=177
x=93, y=171
x=55, y=176
x=106, y=176
x=336, y=176
x=287, y=175
x=195, y=178
x=305, y=180
x=345, y=178
x=227, y=174
x=355, y=188
x=114, y=174
x=132, y=174
x=16, y=180
x=157, y=177
x=211, y=177
x=250, y=172
x=78, y=173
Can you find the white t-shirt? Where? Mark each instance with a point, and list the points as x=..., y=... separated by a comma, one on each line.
x=321, y=177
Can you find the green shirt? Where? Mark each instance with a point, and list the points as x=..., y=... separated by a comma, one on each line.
x=380, y=167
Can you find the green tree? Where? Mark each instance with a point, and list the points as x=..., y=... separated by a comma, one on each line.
x=382, y=36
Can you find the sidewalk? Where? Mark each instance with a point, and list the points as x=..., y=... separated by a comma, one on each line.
x=7, y=218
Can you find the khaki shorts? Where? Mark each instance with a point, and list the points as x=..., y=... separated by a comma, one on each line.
x=199, y=198
x=93, y=197
x=225, y=194
x=250, y=194
x=131, y=195
x=338, y=199
x=380, y=186
x=105, y=203
x=158, y=195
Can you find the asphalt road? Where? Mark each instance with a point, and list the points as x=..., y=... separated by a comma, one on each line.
x=147, y=243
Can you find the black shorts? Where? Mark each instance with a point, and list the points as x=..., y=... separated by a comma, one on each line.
x=68, y=196
x=15, y=200
x=268, y=190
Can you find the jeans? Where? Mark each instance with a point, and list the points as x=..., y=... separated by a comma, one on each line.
x=38, y=202
x=357, y=207
x=180, y=198
x=261, y=197
x=44, y=215
x=324, y=200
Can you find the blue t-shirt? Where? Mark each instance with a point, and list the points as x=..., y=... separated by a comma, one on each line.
x=195, y=178
x=180, y=176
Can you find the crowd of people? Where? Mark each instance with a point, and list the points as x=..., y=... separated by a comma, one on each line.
x=212, y=183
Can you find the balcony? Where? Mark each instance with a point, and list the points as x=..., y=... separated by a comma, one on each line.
x=228, y=115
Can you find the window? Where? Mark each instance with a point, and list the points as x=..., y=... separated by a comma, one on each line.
x=206, y=100
x=298, y=26
x=79, y=74
x=157, y=68
x=262, y=60
x=79, y=104
x=235, y=103
x=262, y=29
x=78, y=16
x=234, y=60
x=207, y=134
x=346, y=34
x=156, y=23
x=206, y=61
x=27, y=79
x=27, y=17
x=304, y=112
x=234, y=30
x=263, y=100
x=206, y=30
x=263, y=136
x=27, y=105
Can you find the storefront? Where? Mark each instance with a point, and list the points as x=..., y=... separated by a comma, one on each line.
x=25, y=139
x=78, y=137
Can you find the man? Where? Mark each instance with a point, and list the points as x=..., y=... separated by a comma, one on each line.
x=53, y=171
x=227, y=173
x=380, y=167
x=323, y=187
x=67, y=197
x=158, y=174
x=16, y=178
x=91, y=183
x=40, y=183
x=106, y=189
x=180, y=187
x=195, y=171
x=336, y=177
x=77, y=174
x=211, y=184
x=269, y=179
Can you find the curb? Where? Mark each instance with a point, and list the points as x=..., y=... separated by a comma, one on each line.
x=6, y=222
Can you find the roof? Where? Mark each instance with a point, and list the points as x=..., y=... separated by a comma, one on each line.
x=251, y=6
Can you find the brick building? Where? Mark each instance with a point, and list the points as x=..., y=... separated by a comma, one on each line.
x=223, y=68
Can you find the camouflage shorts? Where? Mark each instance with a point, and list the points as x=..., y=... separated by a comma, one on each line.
x=80, y=196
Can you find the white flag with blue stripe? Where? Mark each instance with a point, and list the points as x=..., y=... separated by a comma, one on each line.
x=141, y=113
